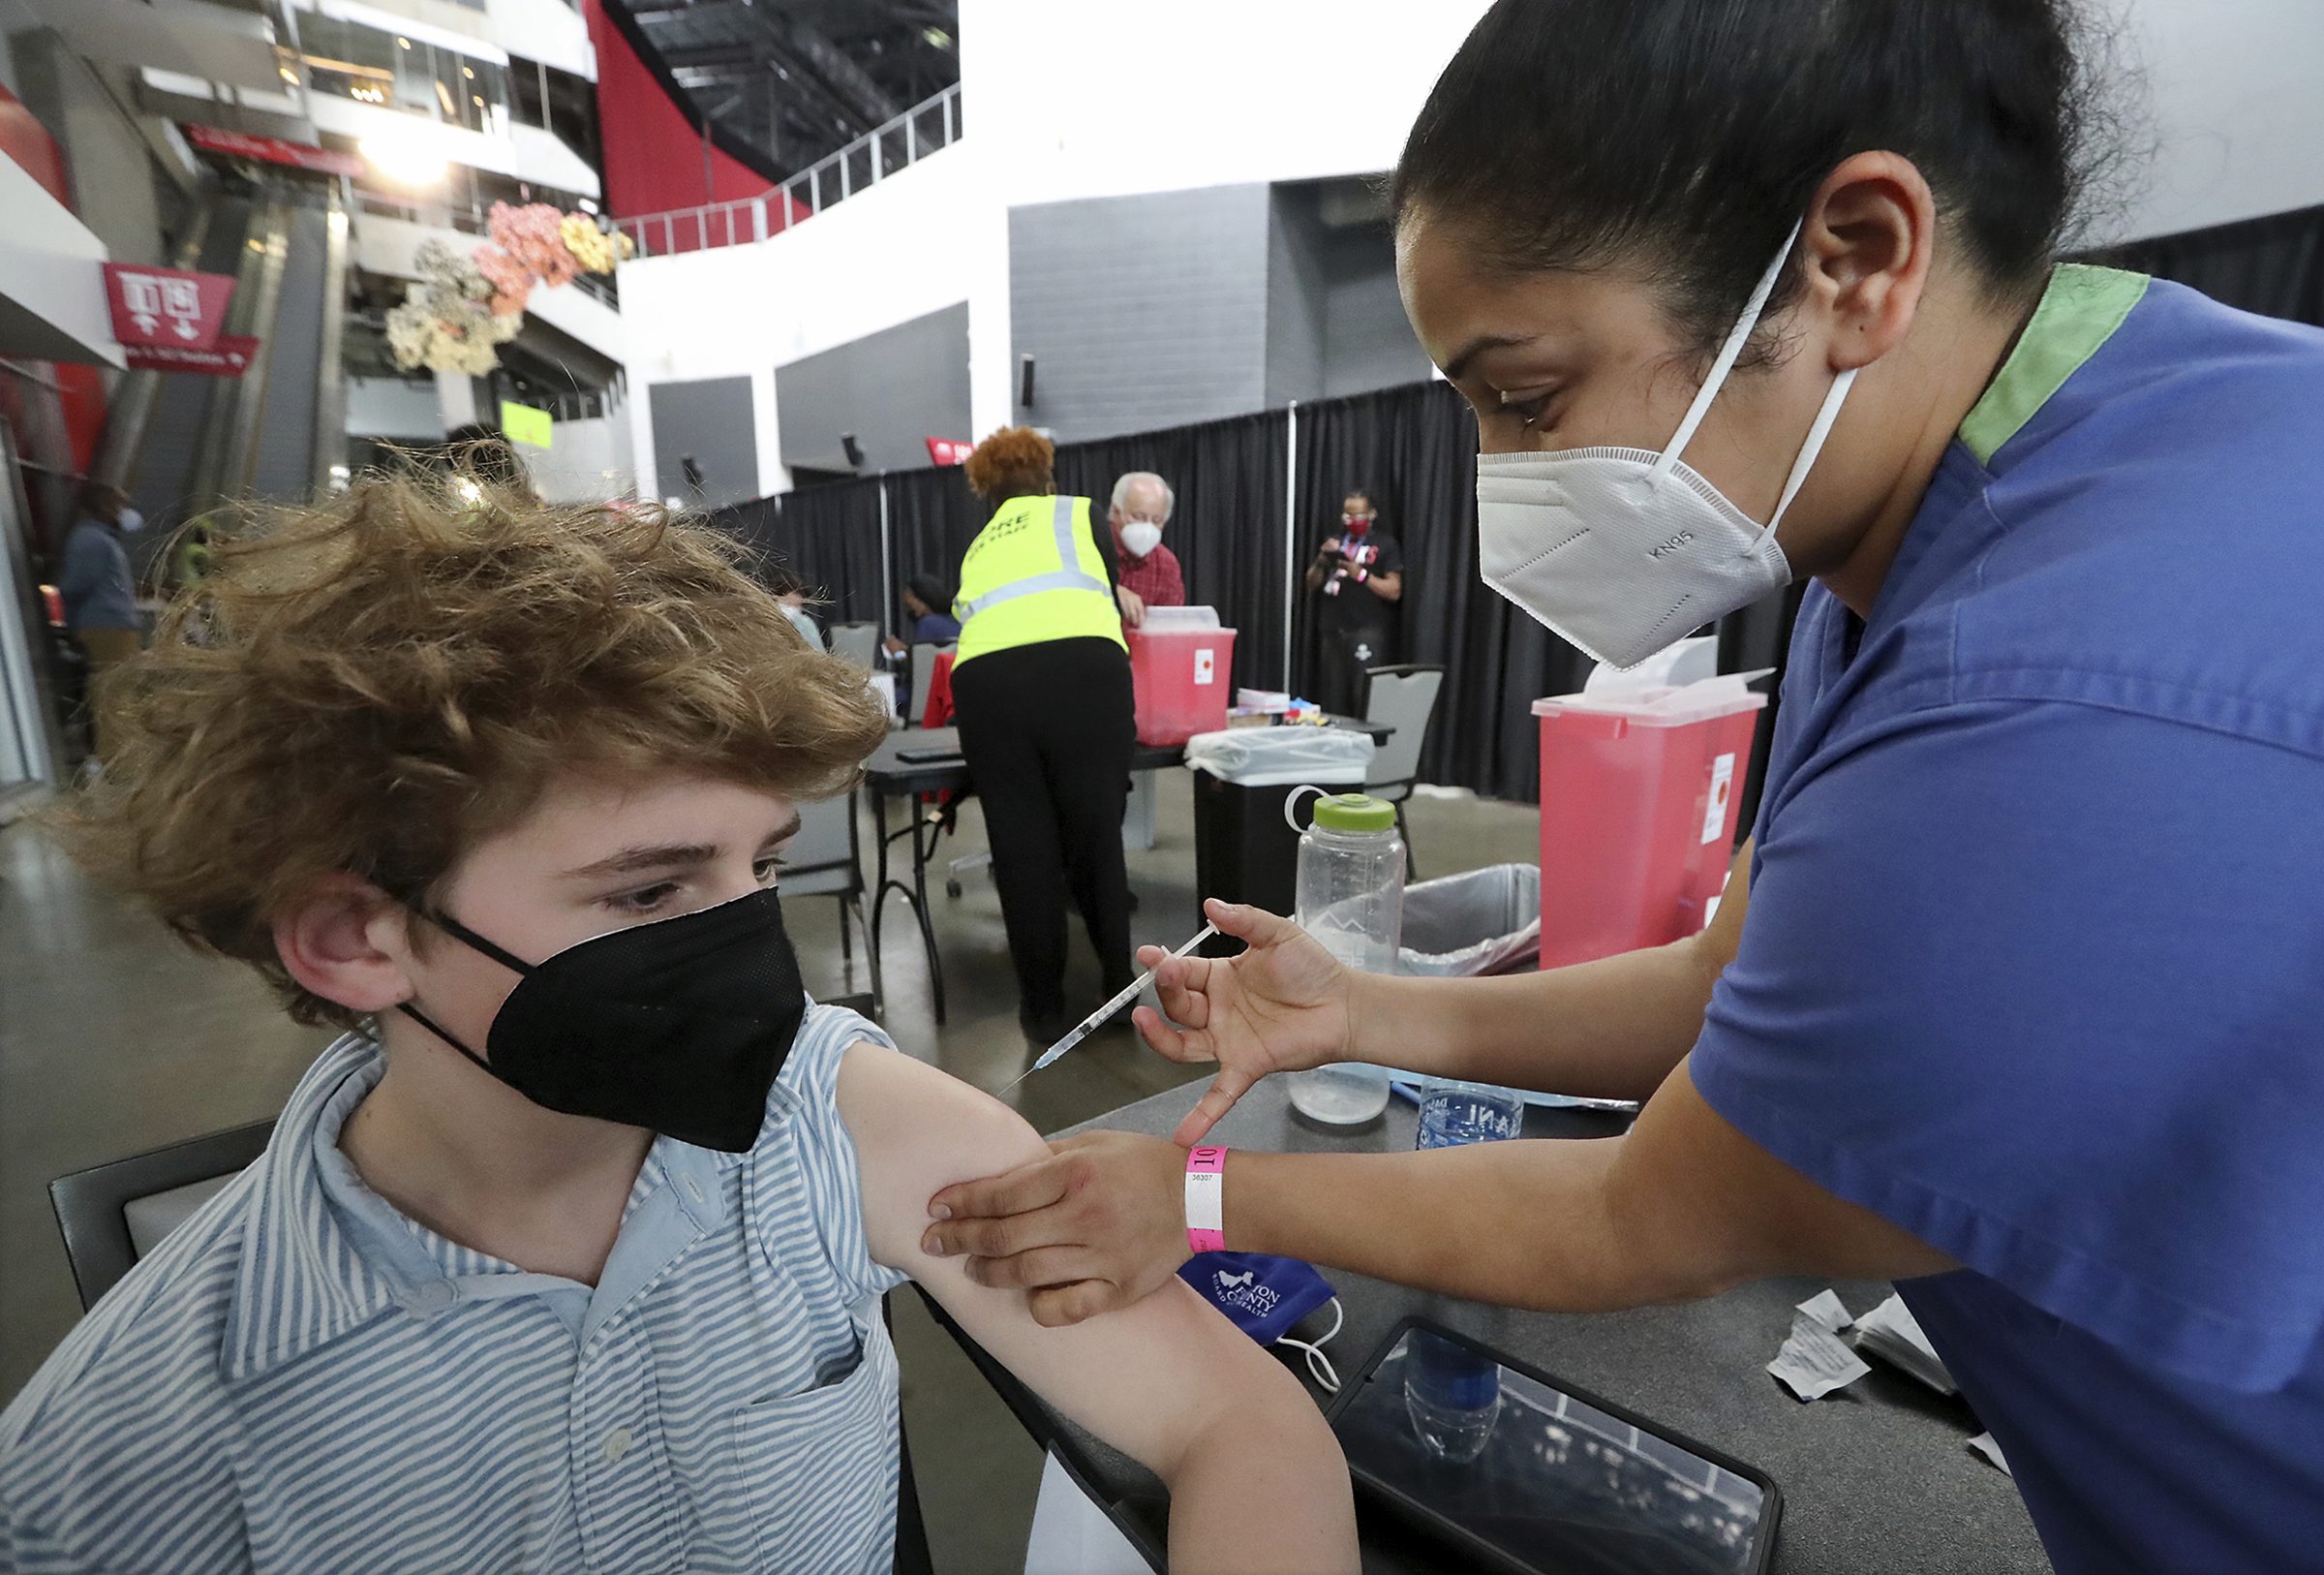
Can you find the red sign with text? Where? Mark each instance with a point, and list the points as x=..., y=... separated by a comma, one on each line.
x=271, y=150
x=948, y=451
x=165, y=306
x=228, y=356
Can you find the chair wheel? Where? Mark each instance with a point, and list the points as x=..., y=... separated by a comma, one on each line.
x=952, y=888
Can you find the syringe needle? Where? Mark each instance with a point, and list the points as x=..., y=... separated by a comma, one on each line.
x=1088, y=1024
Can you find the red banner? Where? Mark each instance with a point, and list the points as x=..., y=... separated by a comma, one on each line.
x=229, y=358
x=271, y=150
x=948, y=451
x=165, y=306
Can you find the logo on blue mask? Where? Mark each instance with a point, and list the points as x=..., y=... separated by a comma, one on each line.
x=1264, y=1296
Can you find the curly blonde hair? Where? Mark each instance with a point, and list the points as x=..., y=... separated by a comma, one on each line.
x=372, y=684
x=1012, y=462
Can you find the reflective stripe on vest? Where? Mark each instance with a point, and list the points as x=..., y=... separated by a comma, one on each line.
x=1023, y=586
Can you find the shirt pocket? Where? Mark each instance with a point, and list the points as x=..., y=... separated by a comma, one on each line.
x=820, y=1467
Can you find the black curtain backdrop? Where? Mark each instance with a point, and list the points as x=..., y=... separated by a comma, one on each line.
x=826, y=538
x=1415, y=449
x=1226, y=525
x=2273, y=265
x=932, y=518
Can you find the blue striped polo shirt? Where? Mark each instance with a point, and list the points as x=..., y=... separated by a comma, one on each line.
x=303, y=1381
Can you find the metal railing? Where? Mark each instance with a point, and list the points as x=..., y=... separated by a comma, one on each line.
x=923, y=128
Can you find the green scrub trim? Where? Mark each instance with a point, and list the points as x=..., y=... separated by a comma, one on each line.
x=2079, y=311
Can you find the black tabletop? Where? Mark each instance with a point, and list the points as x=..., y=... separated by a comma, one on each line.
x=1877, y=1477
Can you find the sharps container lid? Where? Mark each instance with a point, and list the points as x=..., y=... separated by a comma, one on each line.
x=1355, y=812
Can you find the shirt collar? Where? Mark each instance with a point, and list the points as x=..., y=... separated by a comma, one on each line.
x=2079, y=310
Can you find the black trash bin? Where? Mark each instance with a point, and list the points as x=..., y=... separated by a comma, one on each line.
x=1244, y=850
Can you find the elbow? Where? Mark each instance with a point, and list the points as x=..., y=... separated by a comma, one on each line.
x=1264, y=1488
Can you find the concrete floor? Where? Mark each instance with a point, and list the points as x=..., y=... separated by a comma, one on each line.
x=115, y=1040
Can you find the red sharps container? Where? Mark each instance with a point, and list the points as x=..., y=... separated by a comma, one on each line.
x=1638, y=792
x=1181, y=666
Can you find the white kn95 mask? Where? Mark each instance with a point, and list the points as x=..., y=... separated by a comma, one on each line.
x=1141, y=536
x=1623, y=551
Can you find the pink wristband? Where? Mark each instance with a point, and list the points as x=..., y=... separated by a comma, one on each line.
x=1205, y=1200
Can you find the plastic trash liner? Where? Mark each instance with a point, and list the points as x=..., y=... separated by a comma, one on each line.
x=1479, y=922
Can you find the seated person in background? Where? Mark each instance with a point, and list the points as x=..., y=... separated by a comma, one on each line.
x=568, y=1254
x=793, y=603
x=928, y=601
x=1149, y=570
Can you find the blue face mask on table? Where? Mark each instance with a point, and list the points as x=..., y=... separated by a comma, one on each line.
x=1264, y=1296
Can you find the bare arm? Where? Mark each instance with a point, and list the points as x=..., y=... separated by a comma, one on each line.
x=1386, y=587
x=1683, y=1207
x=1612, y=1028
x=1257, y=1481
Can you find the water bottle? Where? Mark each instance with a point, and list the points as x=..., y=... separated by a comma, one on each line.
x=1454, y=1112
x=1451, y=1395
x=1350, y=897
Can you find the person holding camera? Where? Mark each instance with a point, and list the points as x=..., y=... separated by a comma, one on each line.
x=1359, y=576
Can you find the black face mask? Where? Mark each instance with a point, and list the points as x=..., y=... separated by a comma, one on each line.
x=680, y=1026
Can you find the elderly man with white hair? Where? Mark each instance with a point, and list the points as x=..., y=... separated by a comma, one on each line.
x=1150, y=574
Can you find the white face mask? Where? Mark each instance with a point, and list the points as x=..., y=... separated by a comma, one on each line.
x=1624, y=552
x=1141, y=536
x=132, y=522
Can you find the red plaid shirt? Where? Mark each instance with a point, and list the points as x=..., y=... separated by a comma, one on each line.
x=1154, y=578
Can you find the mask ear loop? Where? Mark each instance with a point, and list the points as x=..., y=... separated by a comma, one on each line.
x=1326, y=1376
x=1736, y=338
x=1808, y=450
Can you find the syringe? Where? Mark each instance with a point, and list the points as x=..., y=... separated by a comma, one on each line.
x=1089, y=1024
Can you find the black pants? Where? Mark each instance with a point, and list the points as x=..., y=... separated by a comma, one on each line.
x=1047, y=730
x=1340, y=684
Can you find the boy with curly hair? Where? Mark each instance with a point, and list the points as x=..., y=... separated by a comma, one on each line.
x=565, y=1255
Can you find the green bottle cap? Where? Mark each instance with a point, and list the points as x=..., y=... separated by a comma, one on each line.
x=1355, y=812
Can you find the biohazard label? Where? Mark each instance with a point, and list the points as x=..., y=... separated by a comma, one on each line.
x=1205, y=667
x=1714, y=809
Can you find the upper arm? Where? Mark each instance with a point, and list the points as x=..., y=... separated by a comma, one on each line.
x=1710, y=1209
x=1147, y=1379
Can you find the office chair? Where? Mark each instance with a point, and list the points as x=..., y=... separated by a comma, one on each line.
x=821, y=861
x=858, y=643
x=1403, y=696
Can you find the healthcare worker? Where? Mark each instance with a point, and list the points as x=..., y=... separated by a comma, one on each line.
x=2017, y=996
x=1041, y=689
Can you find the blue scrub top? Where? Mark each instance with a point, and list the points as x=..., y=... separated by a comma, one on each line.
x=2034, y=960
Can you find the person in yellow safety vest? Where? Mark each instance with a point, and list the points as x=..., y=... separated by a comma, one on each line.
x=1041, y=691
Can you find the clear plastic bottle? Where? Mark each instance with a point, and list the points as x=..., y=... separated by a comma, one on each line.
x=1351, y=896
x=1451, y=1394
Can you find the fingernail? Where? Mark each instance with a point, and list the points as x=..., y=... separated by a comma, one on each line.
x=937, y=1210
x=933, y=1244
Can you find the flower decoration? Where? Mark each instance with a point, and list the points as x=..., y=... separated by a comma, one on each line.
x=527, y=248
x=593, y=248
x=447, y=322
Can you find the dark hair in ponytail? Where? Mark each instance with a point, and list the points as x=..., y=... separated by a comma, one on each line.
x=1684, y=136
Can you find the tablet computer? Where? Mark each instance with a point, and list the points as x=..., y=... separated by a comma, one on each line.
x=1533, y=1476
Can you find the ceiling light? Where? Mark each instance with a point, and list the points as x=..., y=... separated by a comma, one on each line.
x=405, y=42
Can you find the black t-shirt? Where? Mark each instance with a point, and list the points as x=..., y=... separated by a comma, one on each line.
x=1345, y=602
